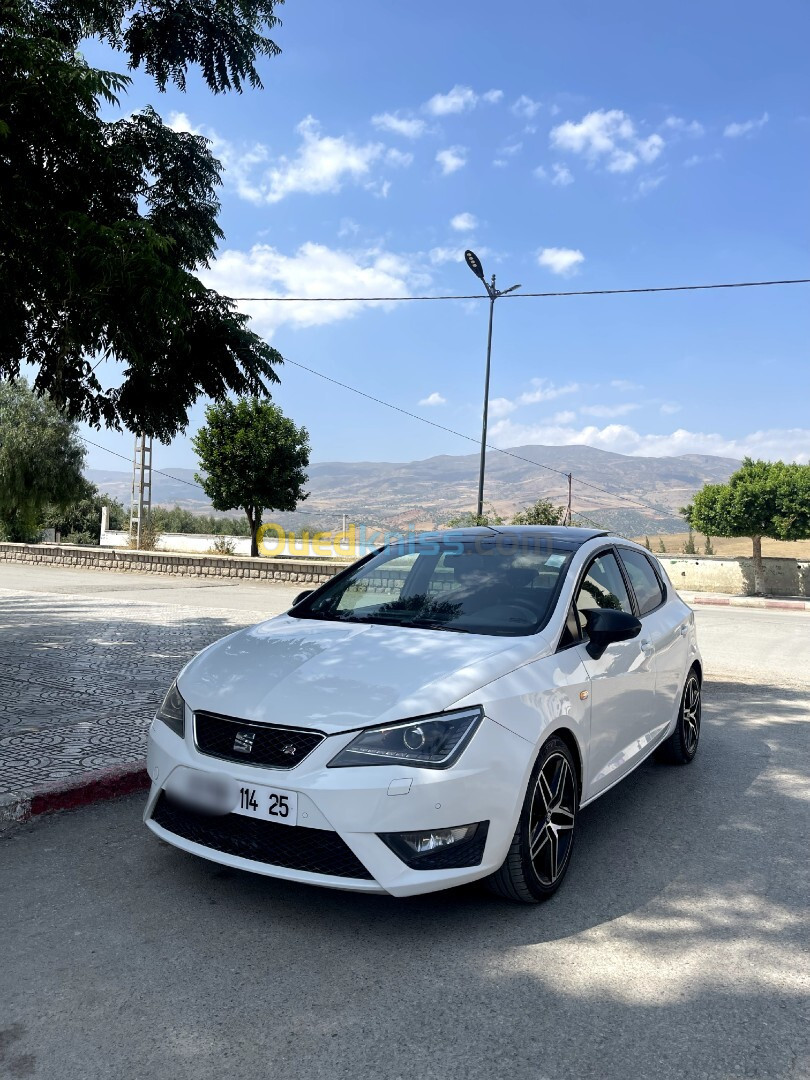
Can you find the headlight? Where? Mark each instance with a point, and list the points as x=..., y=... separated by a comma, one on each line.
x=434, y=742
x=172, y=710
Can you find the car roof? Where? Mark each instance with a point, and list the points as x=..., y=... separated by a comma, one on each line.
x=569, y=535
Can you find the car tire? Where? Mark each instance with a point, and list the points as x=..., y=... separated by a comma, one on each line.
x=541, y=848
x=682, y=745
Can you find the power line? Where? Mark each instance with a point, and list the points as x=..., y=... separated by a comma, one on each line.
x=188, y=483
x=518, y=296
x=461, y=435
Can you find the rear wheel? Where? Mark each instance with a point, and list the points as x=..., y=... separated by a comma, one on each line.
x=541, y=847
x=681, y=747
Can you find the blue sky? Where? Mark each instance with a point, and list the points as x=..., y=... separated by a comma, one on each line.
x=573, y=146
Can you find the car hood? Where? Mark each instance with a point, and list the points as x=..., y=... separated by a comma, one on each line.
x=337, y=676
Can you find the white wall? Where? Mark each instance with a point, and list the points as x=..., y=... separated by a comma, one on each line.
x=201, y=543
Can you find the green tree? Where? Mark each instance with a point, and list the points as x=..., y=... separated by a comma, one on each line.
x=104, y=224
x=253, y=458
x=647, y=543
x=469, y=520
x=41, y=458
x=542, y=512
x=763, y=498
x=707, y=547
x=689, y=544
x=80, y=521
x=662, y=546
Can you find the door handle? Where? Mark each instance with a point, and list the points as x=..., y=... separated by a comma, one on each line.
x=684, y=630
x=647, y=648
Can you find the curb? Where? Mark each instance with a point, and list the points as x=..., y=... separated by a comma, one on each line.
x=746, y=601
x=81, y=790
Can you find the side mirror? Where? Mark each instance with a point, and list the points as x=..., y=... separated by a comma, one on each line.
x=306, y=592
x=606, y=626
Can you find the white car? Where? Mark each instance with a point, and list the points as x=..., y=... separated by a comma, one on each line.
x=437, y=713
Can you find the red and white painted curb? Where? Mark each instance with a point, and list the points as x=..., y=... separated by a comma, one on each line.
x=75, y=791
x=713, y=600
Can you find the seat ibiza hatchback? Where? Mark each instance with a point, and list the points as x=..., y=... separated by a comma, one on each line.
x=437, y=713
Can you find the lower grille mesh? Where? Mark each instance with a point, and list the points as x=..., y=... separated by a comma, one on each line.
x=315, y=850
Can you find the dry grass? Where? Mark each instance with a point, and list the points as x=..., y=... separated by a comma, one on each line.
x=731, y=546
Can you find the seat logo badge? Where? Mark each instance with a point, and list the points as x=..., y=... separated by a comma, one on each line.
x=583, y=695
x=290, y=748
x=243, y=743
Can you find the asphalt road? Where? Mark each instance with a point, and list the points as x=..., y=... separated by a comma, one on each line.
x=676, y=948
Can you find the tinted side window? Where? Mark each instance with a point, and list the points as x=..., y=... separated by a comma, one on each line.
x=644, y=580
x=603, y=587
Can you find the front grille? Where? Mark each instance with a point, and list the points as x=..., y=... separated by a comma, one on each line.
x=253, y=744
x=315, y=850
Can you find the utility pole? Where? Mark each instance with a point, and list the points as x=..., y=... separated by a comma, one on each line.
x=140, y=505
x=474, y=264
x=568, y=514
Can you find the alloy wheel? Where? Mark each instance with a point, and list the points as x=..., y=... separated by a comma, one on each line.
x=691, y=715
x=551, y=819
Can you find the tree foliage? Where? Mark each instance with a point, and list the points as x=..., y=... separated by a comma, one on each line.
x=104, y=224
x=469, y=520
x=253, y=458
x=541, y=512
x=763, y=498
x=80, y=521
x=41, y=458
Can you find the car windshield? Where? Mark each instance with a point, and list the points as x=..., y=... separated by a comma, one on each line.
x=504, y=586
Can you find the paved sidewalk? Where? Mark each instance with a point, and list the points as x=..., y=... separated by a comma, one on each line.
x=80, y=678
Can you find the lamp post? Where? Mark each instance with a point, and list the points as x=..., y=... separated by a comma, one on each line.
x=474, y=264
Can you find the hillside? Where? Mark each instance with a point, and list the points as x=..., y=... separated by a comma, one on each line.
x=426, y=493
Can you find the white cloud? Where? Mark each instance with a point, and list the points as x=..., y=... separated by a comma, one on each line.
x=313, y=270
x=433, y=399
x=410, y=127
x=460, y=99
x=501, y=406
x=670, y=407
x=546, y=390
x=608, y=412
x=561, y=175
x=564, y=417
x=691, y=127
x=452, y=159
x=398, y=158
x=525, y=107
x=648, y=184
x=457, y=100
x=650, y=148
x=321, y=164
x=747, y=127
x=562, y=261
x=464, y=222
x=441, y=255
x=607, y=136
x=542, y=390
x=789, y=444
x=624, y=384
x=699, y=159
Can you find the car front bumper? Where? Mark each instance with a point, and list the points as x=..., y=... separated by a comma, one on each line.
x=487, y=783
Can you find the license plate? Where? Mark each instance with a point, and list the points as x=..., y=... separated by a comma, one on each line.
x=268, y=804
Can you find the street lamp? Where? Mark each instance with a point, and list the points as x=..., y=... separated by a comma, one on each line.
x=474, y=264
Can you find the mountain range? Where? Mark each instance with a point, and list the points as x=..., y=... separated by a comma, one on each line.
x=632, y=495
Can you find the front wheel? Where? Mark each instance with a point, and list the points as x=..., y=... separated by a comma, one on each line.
x=681, y=747
x=541, y=848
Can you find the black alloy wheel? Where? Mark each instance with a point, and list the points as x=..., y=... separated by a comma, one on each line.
x=544, y=839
